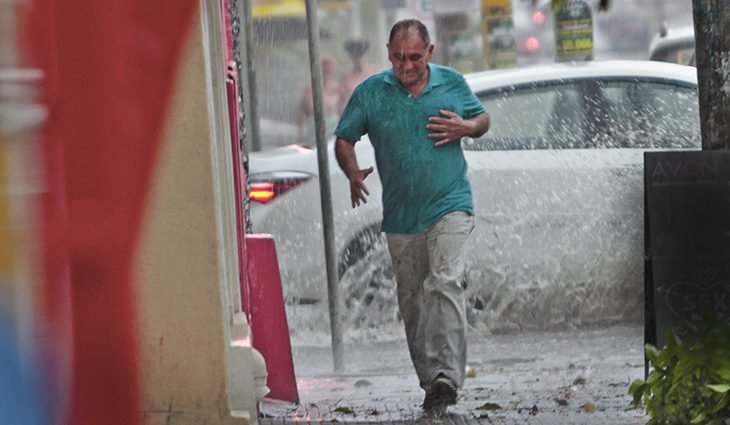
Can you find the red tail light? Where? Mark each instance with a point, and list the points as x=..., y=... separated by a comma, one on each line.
x=262, y=192
x=538, y=18
x=264, y=189
x=532, y=44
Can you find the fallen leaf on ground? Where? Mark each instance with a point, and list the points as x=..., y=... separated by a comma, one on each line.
x=345, y=409
x=561, y=401
x=489, y=406
x=471, y=372
x=579, y=381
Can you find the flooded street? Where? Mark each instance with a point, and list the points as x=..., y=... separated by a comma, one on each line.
x=567, y=377
x=573, y=375
x=554, y=282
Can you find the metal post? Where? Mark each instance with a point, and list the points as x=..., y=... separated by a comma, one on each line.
x=254, y=134
x=324, y=185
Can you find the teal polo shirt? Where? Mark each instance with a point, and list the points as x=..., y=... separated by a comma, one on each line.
x=421, y=182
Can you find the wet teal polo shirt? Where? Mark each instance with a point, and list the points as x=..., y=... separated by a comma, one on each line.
x=421, y=182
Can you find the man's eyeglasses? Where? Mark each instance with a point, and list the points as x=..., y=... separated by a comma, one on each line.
x=415, y=57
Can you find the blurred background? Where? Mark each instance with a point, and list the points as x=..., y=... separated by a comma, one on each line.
x=470, y=35
x=280, y=57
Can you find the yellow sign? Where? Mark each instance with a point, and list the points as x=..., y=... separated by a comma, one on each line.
x=288, y=8
x=495, y=7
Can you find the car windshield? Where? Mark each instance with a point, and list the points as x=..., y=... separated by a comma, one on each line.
x=591, y=113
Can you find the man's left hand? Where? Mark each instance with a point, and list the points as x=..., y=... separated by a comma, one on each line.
x=449, y=127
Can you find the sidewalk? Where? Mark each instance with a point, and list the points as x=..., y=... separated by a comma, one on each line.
x=576, y=377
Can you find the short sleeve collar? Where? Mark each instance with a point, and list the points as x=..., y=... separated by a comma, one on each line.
x=435, y=77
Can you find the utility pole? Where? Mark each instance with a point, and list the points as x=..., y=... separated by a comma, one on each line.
x=712, y=49
x=333, y=289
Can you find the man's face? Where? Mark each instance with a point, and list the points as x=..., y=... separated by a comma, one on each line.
x=410, y=57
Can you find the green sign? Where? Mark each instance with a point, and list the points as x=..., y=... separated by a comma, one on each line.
x=573, y=32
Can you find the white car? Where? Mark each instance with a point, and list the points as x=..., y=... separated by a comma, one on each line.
x=558, y=191
x=674, y=45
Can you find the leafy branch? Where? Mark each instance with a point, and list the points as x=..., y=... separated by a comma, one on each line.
x=690, y=379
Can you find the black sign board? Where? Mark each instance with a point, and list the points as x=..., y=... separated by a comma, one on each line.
x=687, y=233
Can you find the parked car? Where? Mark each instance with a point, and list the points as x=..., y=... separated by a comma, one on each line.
x=675, y=45
x=558, y=191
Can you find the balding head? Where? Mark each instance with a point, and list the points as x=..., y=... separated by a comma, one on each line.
x=408, y=26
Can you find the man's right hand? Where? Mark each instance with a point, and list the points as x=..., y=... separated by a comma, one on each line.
x=345, y=154
x=358, y=190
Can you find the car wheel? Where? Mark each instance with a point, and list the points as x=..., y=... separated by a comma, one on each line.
x=368, y=287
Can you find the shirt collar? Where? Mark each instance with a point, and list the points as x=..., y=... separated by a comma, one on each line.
x=435, y=78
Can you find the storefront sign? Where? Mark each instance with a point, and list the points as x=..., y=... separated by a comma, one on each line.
x=687, y=238
x=573, y=32
x=498, y=35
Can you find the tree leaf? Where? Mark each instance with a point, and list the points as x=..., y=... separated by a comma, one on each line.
x=699, y=418
x=636, y=389
x=489, y=406
x=719, y=388
x=724, y=373
x=652, y=353
x=346, y=410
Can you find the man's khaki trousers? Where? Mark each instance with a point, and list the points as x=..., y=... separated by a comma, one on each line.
x=429, y=272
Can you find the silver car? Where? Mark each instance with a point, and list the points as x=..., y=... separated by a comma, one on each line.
x=558, y=191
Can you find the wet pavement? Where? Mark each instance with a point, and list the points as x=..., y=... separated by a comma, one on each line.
x=567, y=377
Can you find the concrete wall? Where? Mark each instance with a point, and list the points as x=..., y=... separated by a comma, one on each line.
x=184, y=350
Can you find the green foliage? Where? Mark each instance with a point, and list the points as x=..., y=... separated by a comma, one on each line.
x=690, y=379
